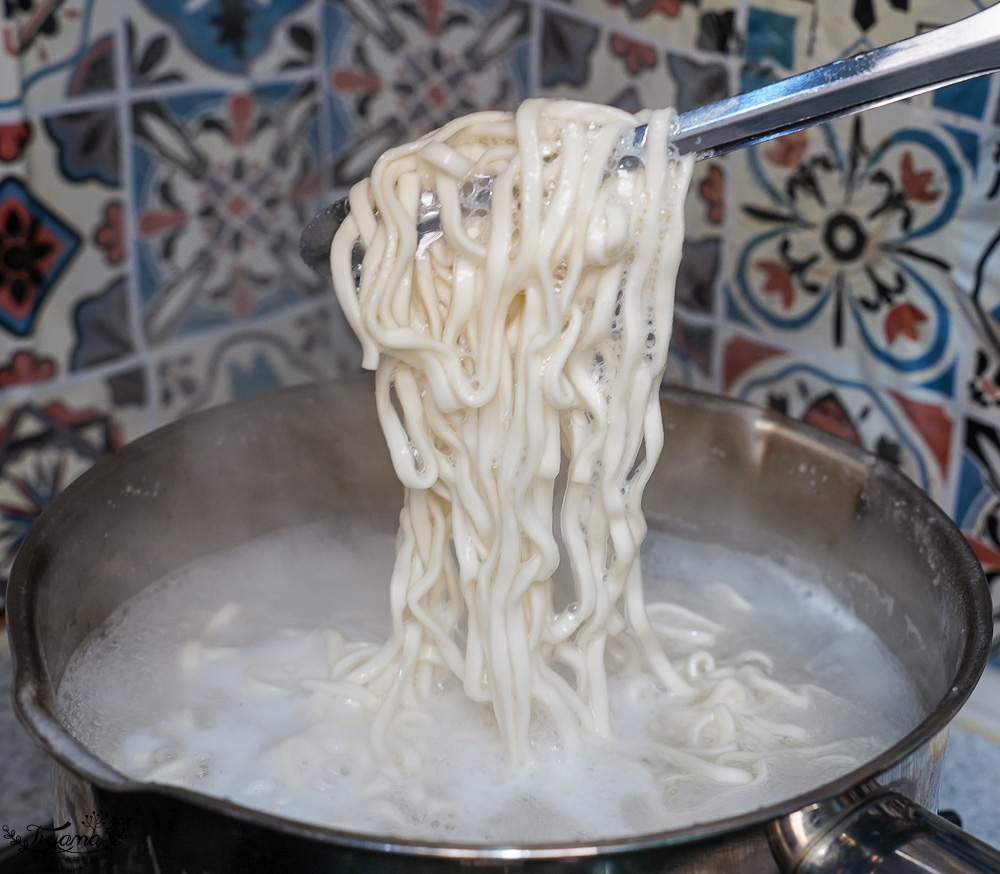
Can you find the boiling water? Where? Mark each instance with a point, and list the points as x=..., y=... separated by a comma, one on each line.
x=213, y=679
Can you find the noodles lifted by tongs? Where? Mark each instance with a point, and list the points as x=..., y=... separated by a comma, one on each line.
x=534, y=328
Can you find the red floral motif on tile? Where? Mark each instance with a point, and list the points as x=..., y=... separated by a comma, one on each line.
x=740, y=355
x=110, y=234
x=25, y=368
x=905, y=319
x=916, y=183
x=13, y=139
x=638, y=56
x=933, y=423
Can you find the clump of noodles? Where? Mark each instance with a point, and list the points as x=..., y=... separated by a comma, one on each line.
x=529, y=331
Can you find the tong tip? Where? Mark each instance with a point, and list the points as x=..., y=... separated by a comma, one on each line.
x=314, y=243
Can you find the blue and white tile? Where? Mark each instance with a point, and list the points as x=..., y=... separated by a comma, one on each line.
x=53, y=433
x=396, y=70
x=53, y=52
x=304, y=344
x=214, y=42
x=709, y=25
x=223, y=183
x=914, y=434
x=63, y=294
x=845, y=246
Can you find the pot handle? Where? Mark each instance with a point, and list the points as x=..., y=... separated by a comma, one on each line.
x=882, y=833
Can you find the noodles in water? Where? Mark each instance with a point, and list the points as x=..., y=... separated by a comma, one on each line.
x=534, y=328
x=518, y=356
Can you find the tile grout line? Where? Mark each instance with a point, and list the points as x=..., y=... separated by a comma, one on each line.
x=323, y=109
x=722, y=324
x=227, y=84
x=123, y=96
x=20, y=393
x=259, y=322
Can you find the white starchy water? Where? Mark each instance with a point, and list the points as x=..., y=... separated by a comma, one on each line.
x=218, y=678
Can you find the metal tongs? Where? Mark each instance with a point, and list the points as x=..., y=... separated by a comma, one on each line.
x=949, y=54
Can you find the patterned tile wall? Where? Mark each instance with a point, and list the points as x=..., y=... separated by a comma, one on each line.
x=159, y=157
x=847, y=275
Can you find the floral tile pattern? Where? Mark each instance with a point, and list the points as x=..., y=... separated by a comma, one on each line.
x=980, y=280
x=580, y=58
x=706, y=24
x=219, y=41
x=843, y=30
x=62, y=242
x=977, y=500
x=790, y=36
x=222, y=183
x=913, y=434
x=584, y=61
x=53, y=51
x=301, y=345
x=396, y=70
x=977, y=506
x=50, y=435
x=778, y=41
x=701, y=257
x=842, y=244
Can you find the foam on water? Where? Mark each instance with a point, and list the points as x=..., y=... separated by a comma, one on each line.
x=214, y=679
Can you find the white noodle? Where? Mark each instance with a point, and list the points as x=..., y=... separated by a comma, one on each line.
x=535, y=329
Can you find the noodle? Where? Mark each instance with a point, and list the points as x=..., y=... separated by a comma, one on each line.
x=535, y=329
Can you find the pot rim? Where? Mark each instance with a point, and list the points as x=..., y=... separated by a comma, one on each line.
x=34, y=693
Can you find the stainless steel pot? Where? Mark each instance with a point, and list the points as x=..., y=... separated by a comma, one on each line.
x=730, y=472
